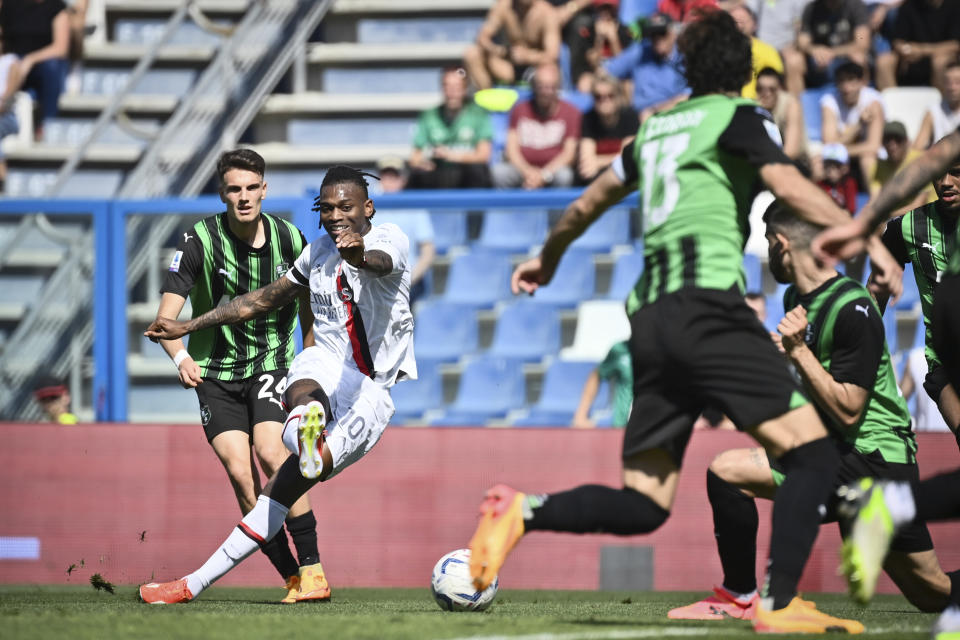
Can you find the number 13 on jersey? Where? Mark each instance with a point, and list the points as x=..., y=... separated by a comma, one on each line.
x=658, y=160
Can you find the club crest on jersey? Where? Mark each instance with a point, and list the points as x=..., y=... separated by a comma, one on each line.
x=281, y=269
x=175, y=263
x=346, y=295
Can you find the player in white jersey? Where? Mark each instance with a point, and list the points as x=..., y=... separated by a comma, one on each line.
x=359, y=282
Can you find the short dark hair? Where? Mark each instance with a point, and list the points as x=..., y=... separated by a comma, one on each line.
x=779, y=218
x=246, y=159
x=848, y=69
x=716, y=56
x=770, y=72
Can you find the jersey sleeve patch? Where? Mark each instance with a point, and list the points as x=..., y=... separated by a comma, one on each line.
x=752, y=135
x=175, y=263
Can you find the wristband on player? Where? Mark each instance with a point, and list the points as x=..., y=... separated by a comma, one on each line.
x=180, y=357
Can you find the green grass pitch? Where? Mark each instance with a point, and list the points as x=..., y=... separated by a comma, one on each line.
x=80, y=612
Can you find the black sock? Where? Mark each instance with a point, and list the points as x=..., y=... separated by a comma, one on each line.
x=938, y=498
x=278, y=551
x=954, y=587
x=303, y=530
x=594, y=508
x=735, y=523
x=810, y=471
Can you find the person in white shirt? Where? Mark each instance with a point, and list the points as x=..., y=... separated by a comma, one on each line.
x=853, y=116
x=942, y=118
x=10, y=81
x=359, y=280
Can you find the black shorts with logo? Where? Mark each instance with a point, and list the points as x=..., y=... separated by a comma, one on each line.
x=241, y=404
x=697, y=348
x=854, y=465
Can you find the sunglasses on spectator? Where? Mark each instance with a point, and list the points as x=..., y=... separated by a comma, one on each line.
x=603, y=96
x=770, y=88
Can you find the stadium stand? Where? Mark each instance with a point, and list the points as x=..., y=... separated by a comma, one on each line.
x=526, y=331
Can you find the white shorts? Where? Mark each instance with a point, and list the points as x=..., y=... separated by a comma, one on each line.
x=360, y=407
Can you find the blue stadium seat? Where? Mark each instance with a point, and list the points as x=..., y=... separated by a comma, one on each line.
x=582, y=101
x=919, y=333
x=911, y=294
x=396, y=30
x=626, y=271
x=74, y=131
x=148, y=31
x=449, y=228
x=526, y=331
x=500, y=122
x=633, y=10
x=478, y=279
x=562, y=387
x=444, y=331
x=85, y=183
x=775, y=308
x=383, y=80
x=352, y=131
x=489, y=388
x=154, y=82
x=292, y=182
x=890, y=330
x=613, y=227
x=513, y=230
x=574, y=281
x=20, y=289
x=162, y=400
x=413, y=397
x=810, y=101
x=754, y=271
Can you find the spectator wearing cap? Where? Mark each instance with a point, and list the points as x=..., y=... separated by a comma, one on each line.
x=787, y=113
x=685, y=10
x=517, y=35
x=899, y=154
x=452, y=142
x=764, y=56
x=596, y=41
x=652, y=66
x=942, y=118
x=852, y=115
x=53, y=396
x=414, y=222
x=837, y=180
x=926, y=38
x=609, y=125
x=831, y=31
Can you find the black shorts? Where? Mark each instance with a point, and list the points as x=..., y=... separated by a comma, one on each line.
x=934, y=382
x=241, y=404
x=946, y=338
x=697, y=348
x=855, y=465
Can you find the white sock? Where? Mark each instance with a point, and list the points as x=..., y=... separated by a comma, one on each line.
x=258, y=526
x=899, y=499
x=290, y=437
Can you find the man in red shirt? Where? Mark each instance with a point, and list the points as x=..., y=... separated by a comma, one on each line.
x=685, y=10
x=542, y=138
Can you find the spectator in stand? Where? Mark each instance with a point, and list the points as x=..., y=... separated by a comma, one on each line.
x=831, y=31
x=38, y=31
x=787, y=112
x=899, y=155
x=653, y=68
x=764, y=56
x=542, y=138
x=778, y=21
x=853, y=116
x=413, y=222
x=452, y=144
x=926, y=38
x=837, y=180
x=53, y=396
x=599, y=39
x=606, y=128
x=517, y=35
x=944, y=117
x=10, y=81
x=685, y=10
x=617, y=369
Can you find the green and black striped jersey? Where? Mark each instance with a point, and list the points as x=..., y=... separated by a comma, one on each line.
x=697, y=167
x=845, y=333
x=211, y=266
x=927, y=238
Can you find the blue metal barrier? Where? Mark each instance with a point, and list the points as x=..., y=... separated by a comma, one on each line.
x=110, y=348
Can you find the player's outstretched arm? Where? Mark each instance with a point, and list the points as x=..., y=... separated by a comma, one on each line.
x=275, y=295
x=606, y=190
x=806, y=199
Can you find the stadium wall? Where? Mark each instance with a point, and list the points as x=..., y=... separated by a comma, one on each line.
x=135, y=502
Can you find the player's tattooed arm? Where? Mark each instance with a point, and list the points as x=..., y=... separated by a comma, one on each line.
x=351, y=248
x=275, y=295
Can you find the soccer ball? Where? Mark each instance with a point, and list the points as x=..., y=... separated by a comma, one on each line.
x=452, y=586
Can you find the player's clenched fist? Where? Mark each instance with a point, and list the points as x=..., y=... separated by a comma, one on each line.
x=350, y=246
x=792, y=330
x=166, y=329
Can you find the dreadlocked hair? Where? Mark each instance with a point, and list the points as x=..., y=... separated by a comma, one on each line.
x=339, y=174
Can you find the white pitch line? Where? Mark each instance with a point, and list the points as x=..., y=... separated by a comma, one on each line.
x=659, y=632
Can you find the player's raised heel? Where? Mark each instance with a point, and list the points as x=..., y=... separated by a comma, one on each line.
x=870, y=528
x=801, y=616
x=500, y=528
x=311, y=434
x=166, y=592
